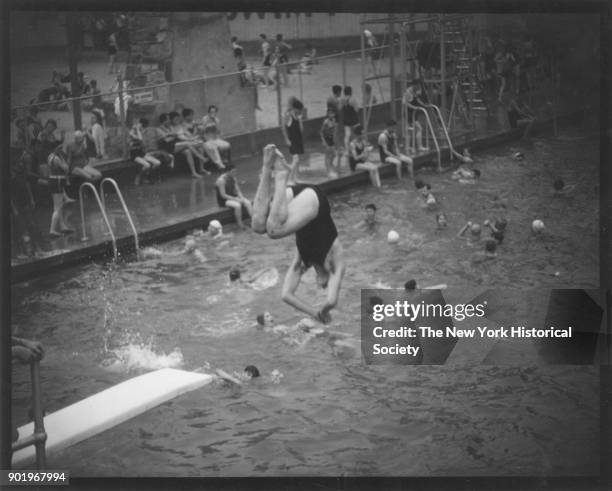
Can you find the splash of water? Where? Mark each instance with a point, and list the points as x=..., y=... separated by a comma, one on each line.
x=142, y=356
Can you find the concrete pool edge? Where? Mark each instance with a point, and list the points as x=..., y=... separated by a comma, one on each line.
x=125, y=244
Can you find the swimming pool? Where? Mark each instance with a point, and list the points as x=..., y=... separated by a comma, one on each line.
x=317, y=410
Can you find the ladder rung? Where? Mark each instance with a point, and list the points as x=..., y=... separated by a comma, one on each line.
x=479, y=108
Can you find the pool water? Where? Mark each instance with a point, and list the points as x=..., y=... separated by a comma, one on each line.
x=317, y=409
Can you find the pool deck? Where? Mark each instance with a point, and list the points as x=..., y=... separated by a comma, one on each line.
x=170, y=209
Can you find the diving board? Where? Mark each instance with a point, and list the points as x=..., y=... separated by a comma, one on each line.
x=109, y=408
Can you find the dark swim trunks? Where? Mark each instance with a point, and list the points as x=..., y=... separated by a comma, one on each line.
x=315, y=239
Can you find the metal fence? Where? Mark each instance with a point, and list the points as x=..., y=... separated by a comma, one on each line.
x=251, y=99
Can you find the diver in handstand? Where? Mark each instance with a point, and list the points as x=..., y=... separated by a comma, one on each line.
x=302, y=210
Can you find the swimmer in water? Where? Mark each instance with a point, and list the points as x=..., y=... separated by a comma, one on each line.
x=302, y=210
x=561, y=189
x=429, y=200
x=490, y=252
x=441, y=222
x=369, y=222
x=190, y=249
x=463, y=175
x=497, y=229
x=261, y=280
x=475, y=232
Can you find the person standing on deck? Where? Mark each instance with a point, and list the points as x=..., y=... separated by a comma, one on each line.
x=334, y=102
x=293, y=132
x=349, y=115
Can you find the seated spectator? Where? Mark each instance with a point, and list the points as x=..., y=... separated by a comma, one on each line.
x=191, y=132
x=49, y=139
x=389, y=151
x=58, y=179
x=229, y=194
x=78, y=162
x=96, y=137
x=150, y=140
x=202, y=139
x=138, y=154
x=359, y=152
x=19, y=134
x=168, y=139
x=237, y=48
x=212, y=121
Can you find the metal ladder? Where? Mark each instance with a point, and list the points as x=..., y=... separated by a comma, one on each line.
x=123, y=205
x=102, y=206
x=428, y=130
x=84, y=238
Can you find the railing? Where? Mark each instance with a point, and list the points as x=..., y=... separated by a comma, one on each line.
x=123, y=205
x=453, y=153
x=429, y=128
x=84, y=237
x=39, y=437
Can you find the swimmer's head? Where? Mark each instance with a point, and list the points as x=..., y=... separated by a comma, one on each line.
x=234, y=274
x=475, y=230
x=476, y=173
x=419, y=184
x=410, y=285
x=559, y=184
x=215, y=227
x=425, y=189
x=490, y=247
x=252, y=371
x=501, y=224
x=370, y=209
x=190, y=243
x=265, y=319
x=441, y=220
x=498, y=236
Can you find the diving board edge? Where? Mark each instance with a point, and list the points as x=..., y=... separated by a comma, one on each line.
x=109, y=408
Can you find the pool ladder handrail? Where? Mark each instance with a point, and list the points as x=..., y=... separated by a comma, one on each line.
x=84, y=238
x=428, y=129
x=39, y=437
x=123, y=205
x=453, y=152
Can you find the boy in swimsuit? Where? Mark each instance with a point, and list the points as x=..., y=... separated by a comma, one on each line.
x=369, y=222
x=302, y=210
x=328, y=132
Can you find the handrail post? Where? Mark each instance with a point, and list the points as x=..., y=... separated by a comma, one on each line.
x=104, y=216
x=123, y=205
x=39, y=426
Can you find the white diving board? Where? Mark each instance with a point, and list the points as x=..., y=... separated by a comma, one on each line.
x=109, y=408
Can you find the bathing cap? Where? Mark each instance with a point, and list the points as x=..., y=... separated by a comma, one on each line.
x=216, y=224
x=392, y=237
x=234, y=274
x=537, y=226
x=252, y=371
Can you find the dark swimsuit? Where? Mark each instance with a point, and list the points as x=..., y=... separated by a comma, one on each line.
x=314, y=240
x=230, y=190
x=390, y=147
x=359, y=148
x=294, y=132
